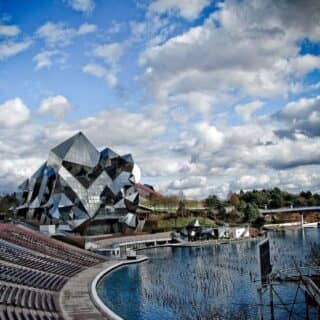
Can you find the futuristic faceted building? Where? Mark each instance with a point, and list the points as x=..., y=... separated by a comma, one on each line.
x=82, y=188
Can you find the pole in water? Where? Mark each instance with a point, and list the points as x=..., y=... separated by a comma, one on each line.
x=260, y=303
x=307, y=305
x=271, y=301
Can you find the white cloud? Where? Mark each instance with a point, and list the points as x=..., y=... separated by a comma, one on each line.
x=57, y=106
x=245, y=111
x=153, y=30
x=187, y=9
x=188, y=183
x=101, y=72
x=13, y=113
x=26, y=147
x=57, y=34
x=110, y=52
x=9, y=30
x=45, y=59
x=208, y=135
x=115, y=27
x=186, y=138
x=86, y=6
x=254, y=182
x=300, y=116
x=197, y=101
x=299, y=109
x=86, y=28
x=239, y=50
x=8, y=49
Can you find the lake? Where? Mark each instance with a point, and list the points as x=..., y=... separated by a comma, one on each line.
x=211, y=282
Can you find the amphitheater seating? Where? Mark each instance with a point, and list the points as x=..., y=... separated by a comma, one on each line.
x=33, y=269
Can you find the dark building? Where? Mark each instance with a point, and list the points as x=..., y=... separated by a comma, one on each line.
x=82, y=189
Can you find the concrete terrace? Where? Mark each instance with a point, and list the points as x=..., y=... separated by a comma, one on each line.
x=76, y=299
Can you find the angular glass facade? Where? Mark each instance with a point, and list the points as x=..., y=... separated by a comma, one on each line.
x=78, y=184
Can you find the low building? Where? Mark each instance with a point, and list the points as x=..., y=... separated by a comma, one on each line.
x=48, y=229
x=195, y=232
x=240, y=232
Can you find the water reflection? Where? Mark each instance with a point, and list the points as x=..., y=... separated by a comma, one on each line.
x=217, y=282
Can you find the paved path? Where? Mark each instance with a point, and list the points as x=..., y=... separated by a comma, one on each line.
x=75, y=301
x=108, y=242
x=75, y=298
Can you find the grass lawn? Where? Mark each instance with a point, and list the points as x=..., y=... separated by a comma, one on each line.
x=183, y=221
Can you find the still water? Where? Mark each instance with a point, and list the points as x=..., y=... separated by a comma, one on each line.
x=213, y=282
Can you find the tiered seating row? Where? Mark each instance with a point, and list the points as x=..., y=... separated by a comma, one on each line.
x=47, y=246
x=31, y=278
x=33, y=269
x=26, y=298
x=27, y=258
x=24, y=314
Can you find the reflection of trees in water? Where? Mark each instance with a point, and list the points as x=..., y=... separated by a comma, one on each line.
x=209, y=283
x=206, y=279
x=314, y=257
x=215, y=282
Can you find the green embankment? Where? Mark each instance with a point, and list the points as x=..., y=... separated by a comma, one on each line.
x=169, y=224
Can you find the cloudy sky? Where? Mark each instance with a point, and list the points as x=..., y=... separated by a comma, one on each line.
x=208, y=96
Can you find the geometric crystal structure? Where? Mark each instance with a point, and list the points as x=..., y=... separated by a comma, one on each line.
x=78, y=184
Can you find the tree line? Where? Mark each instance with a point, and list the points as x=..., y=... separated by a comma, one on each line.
x=246, y=204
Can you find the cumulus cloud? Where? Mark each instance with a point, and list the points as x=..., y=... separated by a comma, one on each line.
x=242, y=58
x=115, y=27
x=189, y=10
x=87, y=28
x=238, y=49
x=101, y=72
x=86, y=6
x=204, y=159
x=208, y=135
x=151, y=31
x=13, y=113
x=9, y=30
x=110, y=52
x=45, y=59
x=254, y=182
x=58, y=34
x=302, y=116
x=55, y=33
x=8, y=49
x=25, y=147
x=188, y=183
x=246, y=110
x=57, y=106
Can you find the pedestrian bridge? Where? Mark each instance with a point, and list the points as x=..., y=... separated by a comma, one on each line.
x=291, y=210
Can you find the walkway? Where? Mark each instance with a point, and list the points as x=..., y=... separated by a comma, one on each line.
x=134, y=238
x=76, y=298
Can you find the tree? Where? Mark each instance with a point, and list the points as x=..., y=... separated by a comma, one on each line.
x=241, y=205
x=213, y=202
x=276, y=201
x=259, y=222
x=181, y=209
x=234, y=199
x=251, y=213
x=8, y=201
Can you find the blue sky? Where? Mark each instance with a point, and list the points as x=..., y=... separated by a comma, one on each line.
x=209, y=96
